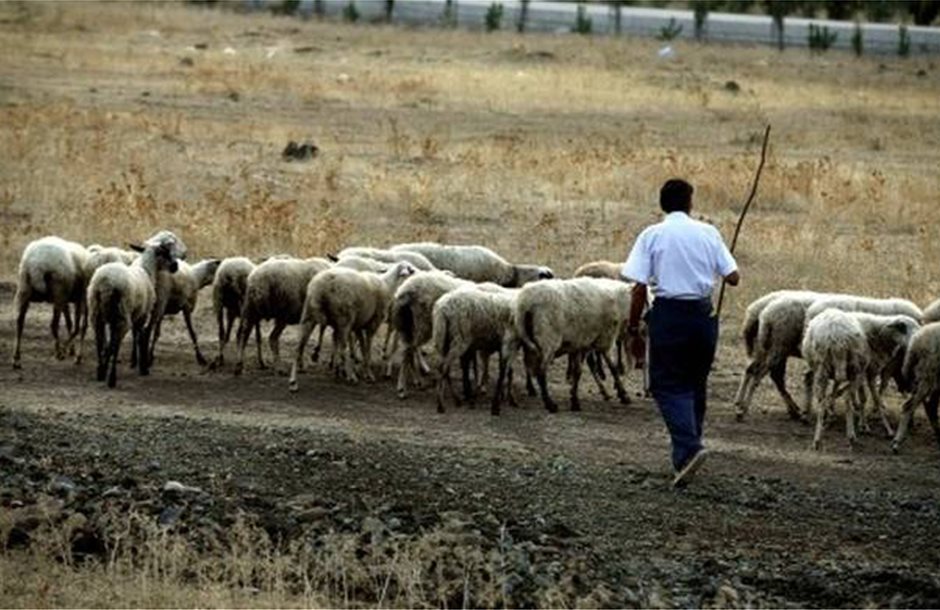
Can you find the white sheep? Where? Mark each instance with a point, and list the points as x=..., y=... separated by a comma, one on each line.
x=921, y=375
x=99, y=255
x=576, y=316
x=773, y=332
x=361, y=263
x=122, y=297
x=182, y=290
x=932, y=312
x=228, y=297
x=354, y=304
x=411, y=318
x=275, y=289
x=471, y=320
x=836, y=350
x=52, y=270
x=887, y=339
x=883, y=307
x=477, y=264
x=387, y=256
x=601, y=269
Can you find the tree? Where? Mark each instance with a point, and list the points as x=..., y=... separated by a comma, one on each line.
x=778, y=10
x=523, y=15
x=923, y=12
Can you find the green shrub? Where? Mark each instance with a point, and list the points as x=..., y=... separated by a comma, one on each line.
x=857, y=42
x=350, y=12
x=494, y=17
x=904, y=41
x=582, y=23
x=670, y=31
x=821, y=38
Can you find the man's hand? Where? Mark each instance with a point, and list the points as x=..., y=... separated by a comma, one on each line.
x=733, y=278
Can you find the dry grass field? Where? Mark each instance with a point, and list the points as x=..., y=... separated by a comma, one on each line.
x=118, y=119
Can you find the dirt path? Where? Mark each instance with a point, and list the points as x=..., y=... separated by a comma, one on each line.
x=768, y=522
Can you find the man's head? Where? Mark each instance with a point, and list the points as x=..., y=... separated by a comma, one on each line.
x=676, y=196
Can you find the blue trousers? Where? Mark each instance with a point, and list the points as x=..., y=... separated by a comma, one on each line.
x=682, y=340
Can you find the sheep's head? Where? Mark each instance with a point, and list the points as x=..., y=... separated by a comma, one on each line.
x=167, y=249
x=205, y=271
x=531, y=273
x=169, y=240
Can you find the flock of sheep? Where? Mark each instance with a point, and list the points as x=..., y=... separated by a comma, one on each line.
x=469, y=303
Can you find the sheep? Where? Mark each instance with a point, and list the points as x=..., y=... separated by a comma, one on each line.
x=276, y=290
x=773, y=330
x=884, y=307
x=361, y=263
x=182, y=290
x=574, y=316
x=836, y=350
x=477, y=264
x=887, y=340
x=474, y=319
x=601, y=269
x=352, y=303
x=411, y=316
x=921, y=375
x=388, y=256
x=932, y=312
x=122, y=297
x=52, y=270
x=228, y=297
x=99, y=255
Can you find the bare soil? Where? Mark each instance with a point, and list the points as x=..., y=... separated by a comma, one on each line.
x=585, y=498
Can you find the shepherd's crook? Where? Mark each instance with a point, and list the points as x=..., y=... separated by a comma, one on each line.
x=747, y=205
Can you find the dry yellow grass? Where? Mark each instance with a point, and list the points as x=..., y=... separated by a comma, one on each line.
x=547, y=148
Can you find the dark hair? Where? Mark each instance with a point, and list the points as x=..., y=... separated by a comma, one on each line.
x=676, y=196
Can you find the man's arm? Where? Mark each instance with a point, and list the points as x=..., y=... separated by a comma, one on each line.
x=637, y=305
x=733, y=278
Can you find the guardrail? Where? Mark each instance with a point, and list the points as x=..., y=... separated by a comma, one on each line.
x=560, y=17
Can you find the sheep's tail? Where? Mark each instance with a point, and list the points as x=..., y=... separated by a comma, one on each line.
x=527, y=330
x=443, y=338
x=40, y=281
x=750, y=330
x=105, y=306
x=403, y=318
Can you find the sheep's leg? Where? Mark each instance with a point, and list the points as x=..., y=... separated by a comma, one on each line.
x=134, y=351
x=315, y=354
x=820, y=384
x=72, y=329
x=575, y=380
x=622, y=395
x=145, y=347
x=621, y=367
x=390, y=364
x=341, y=335
x=365, y=343
x=221, y=313
x=503, y=380
x=425, y=367
x=241, y=338
x=778, y=374
x=54, y=327
x=907, y=413
x=406, y=360
x=118, y=330
x=529, y=386
x=752, y=377
x=852, y=408
x=188, y=318
x=930, y=407
x=306, y=329
x=485, y=377
x=597, y=375
x=101, y=348
x=152, y=345
x=274, y=343
x=444, y=380
x=81, y=321
x=872, y=381
x=808, y=384
x=542, y=365
x=467, y=359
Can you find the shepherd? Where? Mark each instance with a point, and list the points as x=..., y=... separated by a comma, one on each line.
x=681, y=258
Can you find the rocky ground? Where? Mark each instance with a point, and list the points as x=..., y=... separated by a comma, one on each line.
x=575, y=505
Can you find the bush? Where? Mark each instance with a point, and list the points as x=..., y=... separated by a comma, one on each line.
x=351, y=13
x=857, y=42
x=904, y=41
x=494, y=17
x=820, y=38
x=670, y=31
x=582, y=23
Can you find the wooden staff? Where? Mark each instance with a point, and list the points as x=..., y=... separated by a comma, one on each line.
x=747, y=206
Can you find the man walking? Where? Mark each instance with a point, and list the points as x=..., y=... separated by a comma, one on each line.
x=682, y=258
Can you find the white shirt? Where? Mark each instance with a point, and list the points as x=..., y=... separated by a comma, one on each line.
x=680, y=257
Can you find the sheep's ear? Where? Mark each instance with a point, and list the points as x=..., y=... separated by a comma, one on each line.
x=136, y=247
x=545, y=273
x=332, y=257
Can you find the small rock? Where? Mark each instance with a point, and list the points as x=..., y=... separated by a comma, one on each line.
x=234, y=96
x=922, y=73
x=111, y=492
x=170, y=515
x=732, y=86
x=300, y=152
x=154, y=465
x=177, y=487
x=187, y=61
x=201, y=46
x=63, y=486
